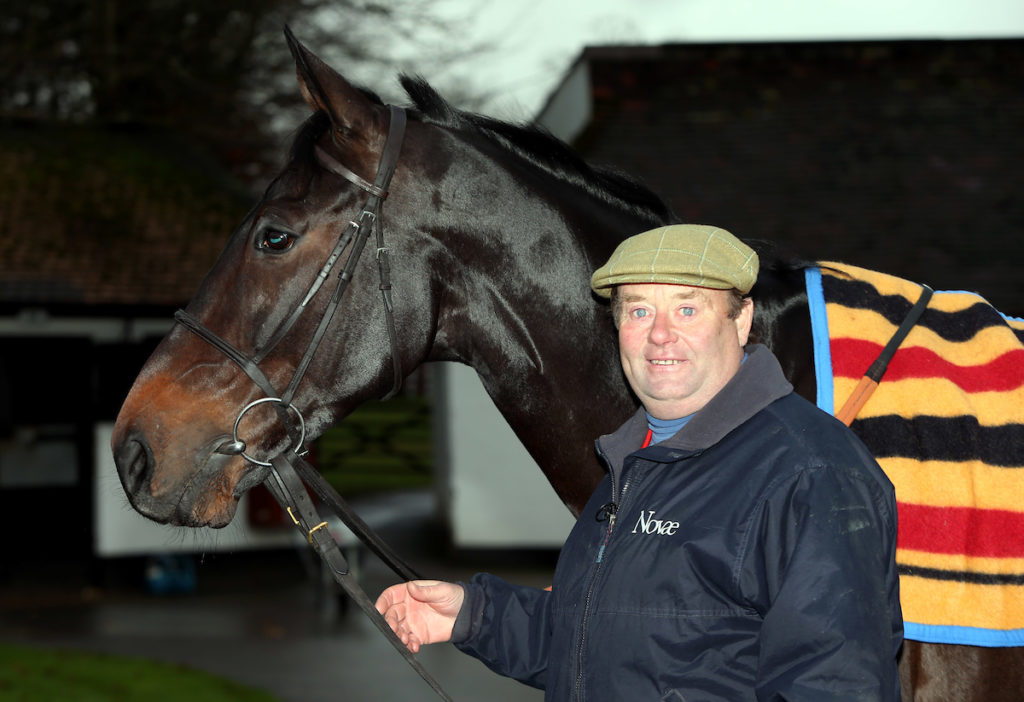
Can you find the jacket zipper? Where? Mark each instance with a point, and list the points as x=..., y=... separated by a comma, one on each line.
x=598, y=562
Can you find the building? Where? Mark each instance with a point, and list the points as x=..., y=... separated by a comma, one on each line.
x=902, y=156
x=106, y=233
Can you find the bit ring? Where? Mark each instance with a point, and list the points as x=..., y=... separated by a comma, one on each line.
x=293, y=408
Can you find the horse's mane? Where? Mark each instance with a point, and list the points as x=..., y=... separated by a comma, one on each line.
x=540, y=148
x=531, y=143
x=546, y=152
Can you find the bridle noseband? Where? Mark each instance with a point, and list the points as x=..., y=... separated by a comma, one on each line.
x=288, y=471
x=356, y=233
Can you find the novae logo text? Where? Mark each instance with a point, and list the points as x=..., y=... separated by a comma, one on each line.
x=647, y=524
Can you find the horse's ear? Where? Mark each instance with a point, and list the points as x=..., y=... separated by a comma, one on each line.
x=325, y=89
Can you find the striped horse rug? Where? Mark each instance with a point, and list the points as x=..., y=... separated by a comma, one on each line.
x=946, y=424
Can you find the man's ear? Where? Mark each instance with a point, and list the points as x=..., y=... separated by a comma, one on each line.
x=744, y=320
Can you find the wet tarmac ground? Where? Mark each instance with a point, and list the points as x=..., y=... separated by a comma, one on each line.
x=266, y=619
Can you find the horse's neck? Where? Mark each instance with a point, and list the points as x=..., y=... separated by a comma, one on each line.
x=543, y=347
x=552, y=370
x=782, y=322
x=563, y=369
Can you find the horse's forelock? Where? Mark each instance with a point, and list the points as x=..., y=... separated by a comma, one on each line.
x=307, y=136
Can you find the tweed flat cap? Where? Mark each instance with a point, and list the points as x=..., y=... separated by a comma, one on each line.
x=680, y=254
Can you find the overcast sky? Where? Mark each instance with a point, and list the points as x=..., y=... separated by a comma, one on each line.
x=535, y=41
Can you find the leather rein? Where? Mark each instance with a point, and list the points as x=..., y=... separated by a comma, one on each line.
x=285, y=473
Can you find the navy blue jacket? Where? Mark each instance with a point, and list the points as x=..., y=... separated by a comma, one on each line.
x=750, y=556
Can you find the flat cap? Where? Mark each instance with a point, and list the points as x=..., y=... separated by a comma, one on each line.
x=680, y=254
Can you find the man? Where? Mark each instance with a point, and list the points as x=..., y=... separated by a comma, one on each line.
x=743, y=543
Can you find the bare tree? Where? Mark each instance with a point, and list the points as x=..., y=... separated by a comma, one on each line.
x=216, y=71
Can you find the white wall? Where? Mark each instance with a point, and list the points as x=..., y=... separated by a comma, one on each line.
x=497, y=495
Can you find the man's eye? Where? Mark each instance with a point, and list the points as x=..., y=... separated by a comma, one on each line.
x=640, y=314
x=688, y=311
x=277, y=241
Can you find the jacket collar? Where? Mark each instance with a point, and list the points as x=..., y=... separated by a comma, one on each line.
x=758, y=383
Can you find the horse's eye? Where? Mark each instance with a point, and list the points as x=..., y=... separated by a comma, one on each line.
x=276, y=241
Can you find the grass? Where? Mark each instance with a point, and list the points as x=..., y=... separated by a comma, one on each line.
x=48, y=675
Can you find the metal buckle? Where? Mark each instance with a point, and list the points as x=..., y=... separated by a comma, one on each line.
x=312, y=531
x=302, y=428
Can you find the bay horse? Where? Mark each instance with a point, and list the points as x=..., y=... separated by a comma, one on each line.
x=491, y=231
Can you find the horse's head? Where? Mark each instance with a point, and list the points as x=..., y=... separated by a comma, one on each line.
x=175, y=439
x=493, y=231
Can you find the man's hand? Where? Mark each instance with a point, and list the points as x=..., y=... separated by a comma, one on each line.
x=421, y=611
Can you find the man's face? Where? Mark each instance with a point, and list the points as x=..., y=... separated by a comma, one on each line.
x=678, y=345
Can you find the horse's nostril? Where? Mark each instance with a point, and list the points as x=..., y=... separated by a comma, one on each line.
x=134, y=464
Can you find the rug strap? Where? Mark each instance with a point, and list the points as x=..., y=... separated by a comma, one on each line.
x=860, y=395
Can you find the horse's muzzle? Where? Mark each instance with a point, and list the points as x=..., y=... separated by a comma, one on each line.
x=200, y=497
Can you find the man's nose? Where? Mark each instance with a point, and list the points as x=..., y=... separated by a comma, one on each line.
x=662, y=331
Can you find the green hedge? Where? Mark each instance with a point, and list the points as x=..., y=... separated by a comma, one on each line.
x=381, y=446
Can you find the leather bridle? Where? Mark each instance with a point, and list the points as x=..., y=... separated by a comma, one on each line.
x=356, y=233
x=285, y=473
